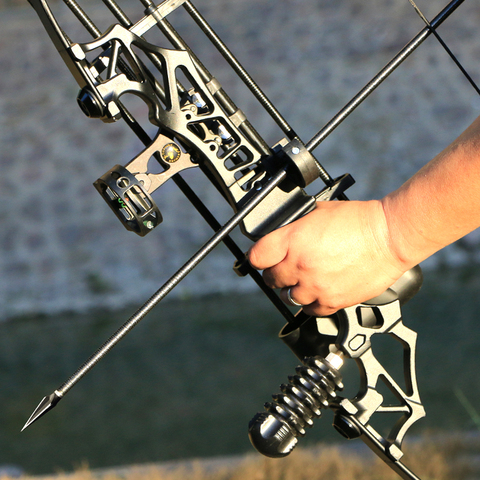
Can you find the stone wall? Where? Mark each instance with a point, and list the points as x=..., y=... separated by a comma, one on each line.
x=60, y=246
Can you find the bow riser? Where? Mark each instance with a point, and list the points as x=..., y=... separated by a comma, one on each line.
x=195, y=129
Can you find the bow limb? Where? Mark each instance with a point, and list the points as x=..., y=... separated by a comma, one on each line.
x=358, y=325
x=72, y=54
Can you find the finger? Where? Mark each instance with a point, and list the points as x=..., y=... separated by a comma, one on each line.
x=280, y=275
x=318, y=310
x=268, y=251
x=295, y=296
x=287, y=296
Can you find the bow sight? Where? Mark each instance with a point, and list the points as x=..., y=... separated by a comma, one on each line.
x=199, y=126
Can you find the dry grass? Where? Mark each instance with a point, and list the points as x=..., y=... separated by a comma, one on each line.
x=429, y=460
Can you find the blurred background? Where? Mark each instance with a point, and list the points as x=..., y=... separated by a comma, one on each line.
x=186, y=382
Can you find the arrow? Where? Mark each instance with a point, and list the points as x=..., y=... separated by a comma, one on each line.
x=43, y=407
x=49, y=402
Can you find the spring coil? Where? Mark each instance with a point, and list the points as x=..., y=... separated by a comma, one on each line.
x=274, y=432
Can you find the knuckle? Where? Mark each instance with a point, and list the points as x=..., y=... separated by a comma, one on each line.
x=269, y=278
x=320, y=310
x=326, y=304
x=303, y=264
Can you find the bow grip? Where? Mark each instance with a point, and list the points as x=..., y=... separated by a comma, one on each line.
x=308, y=338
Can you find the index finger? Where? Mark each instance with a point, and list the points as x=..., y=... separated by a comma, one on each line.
x=268, y=251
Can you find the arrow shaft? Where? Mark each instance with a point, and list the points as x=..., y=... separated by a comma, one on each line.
x=171, y=283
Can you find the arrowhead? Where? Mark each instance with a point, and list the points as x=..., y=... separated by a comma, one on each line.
x=43, y=407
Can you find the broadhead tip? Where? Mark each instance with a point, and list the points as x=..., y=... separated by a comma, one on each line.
x=44, y=406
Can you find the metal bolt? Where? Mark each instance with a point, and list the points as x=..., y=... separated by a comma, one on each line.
x=198, y=100
x=224, y=133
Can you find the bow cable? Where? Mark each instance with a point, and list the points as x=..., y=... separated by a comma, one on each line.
x=382, y=75
x=178, y=179
x=445, y=46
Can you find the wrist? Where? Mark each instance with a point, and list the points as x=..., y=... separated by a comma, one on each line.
x=408, y=240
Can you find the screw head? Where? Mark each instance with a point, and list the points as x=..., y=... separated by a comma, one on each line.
x=345, y=427
x=89, y=105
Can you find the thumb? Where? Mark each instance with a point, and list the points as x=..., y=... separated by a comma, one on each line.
x=269, y=250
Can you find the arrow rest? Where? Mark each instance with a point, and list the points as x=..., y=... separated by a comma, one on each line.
x=199, y=126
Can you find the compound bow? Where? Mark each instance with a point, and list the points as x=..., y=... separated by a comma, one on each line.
x=199, y=126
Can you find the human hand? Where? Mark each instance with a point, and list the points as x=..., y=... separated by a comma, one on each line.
x=338, y=255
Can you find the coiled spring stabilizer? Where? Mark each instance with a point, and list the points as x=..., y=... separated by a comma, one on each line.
x=274, y=432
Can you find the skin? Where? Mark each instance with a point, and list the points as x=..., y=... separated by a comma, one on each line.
x=344, y=253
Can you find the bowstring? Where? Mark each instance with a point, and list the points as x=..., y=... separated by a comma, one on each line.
x=445, y=46
x=133, y=124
